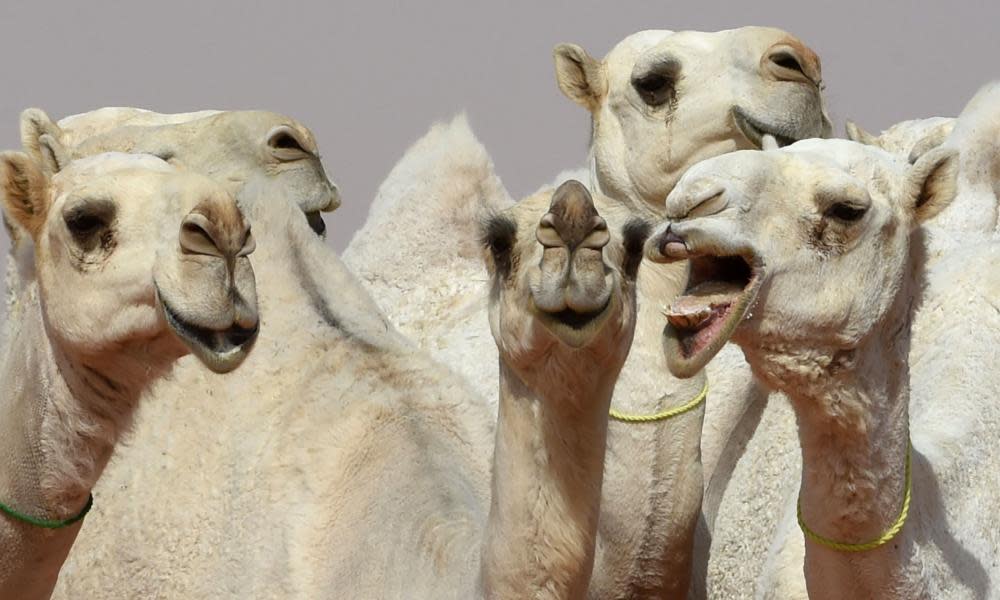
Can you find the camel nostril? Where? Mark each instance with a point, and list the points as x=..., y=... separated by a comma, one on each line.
x=785, y=60
x=790, y=64
x=197, y=236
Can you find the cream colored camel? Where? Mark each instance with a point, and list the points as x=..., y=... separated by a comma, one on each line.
x=135, y=265
x=810, y=258
x=562, y=311
x=660, y=101
x=240, y=149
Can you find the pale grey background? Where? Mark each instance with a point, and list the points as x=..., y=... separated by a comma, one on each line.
x=370, y=77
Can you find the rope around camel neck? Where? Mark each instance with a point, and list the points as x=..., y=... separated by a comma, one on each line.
x=47, y=523
x=663, y=415
x=883, y=539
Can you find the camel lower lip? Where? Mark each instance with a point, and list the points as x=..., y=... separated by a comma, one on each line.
x=221, y=350
x=702, y=320
x=755, y=130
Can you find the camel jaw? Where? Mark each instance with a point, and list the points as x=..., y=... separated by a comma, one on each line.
x=718, y=297
x=219, y=350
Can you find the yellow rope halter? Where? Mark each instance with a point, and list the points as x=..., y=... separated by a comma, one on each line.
x=882, y=539
x=663, y=415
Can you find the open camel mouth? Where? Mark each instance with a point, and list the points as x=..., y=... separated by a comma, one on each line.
x=755, y=130
x=719, y=293
x=220, y=350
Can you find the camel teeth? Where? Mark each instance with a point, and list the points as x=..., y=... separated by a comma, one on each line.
x=688, y=320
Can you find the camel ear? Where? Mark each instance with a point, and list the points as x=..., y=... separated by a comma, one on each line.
x=24, y=190
x=934, y=138
x=934, y=181
x=580, y=76
x=856, y=134
x=40, y=138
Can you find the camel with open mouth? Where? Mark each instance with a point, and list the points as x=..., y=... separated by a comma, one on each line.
x=811, y=259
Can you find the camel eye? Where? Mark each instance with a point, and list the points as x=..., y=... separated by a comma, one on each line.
x=85, y=220
x=845, y=212
x=655, y=89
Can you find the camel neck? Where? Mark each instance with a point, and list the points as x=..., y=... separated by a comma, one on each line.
x=548, y=467
x=60, y=416
x=852, y=413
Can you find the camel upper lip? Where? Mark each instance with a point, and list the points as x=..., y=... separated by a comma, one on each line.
x=221, y=350
x=755, y=130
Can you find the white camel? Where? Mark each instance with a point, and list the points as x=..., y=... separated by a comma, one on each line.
x=135, y=265
x=811, y=259
x=765, y=82
x=746, y=509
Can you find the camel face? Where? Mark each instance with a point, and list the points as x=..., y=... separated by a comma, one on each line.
x=662, y=101
x=266, y=153
x=803, y=246
x=561, y=278
x=130, y=251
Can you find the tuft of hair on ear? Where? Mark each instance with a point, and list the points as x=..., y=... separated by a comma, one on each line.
x=634, y=235
x=856, y=134
x=934, y=138
x=580, y=76
x=23, y=189
x=934, y=182
x=35, y=124
x=497, y=235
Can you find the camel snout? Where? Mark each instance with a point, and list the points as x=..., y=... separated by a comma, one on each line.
x=573, y=221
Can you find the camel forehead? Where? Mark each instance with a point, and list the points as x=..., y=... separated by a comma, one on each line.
x=752, y=40
x=119, y=123
x=108, y=170
x=860, y=160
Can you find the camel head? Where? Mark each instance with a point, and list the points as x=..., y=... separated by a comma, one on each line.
x=804, y=247
x=134, y=258
x=255, y=154
x=662, y=101
x=563, y=282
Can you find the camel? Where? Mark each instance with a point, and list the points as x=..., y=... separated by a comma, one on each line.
x=562, y=312
x=653, y=473
x=888, y=503
x=771, y=454
x=135, y=265
x=239, y=149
